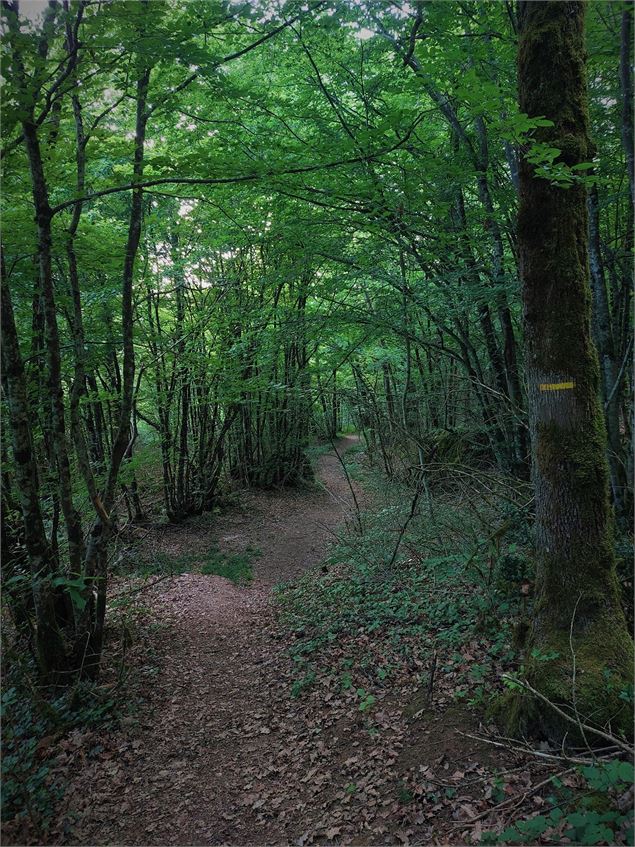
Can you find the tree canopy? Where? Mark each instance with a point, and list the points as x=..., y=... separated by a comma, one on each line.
x=231, y=229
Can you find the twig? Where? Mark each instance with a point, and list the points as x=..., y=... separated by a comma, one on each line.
x=433, y=668
x=354, y=547
x=528, y=750
x=620, y=375
x=358, y=513
x=402, y=531
x=143, y=587
x=574, y=698
x=515, y=801
x=616, y=741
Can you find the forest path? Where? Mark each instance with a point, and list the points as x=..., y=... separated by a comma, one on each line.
x=216, y=749
x=219, y=737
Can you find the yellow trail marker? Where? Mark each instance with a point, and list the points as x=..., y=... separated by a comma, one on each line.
x=556, y=386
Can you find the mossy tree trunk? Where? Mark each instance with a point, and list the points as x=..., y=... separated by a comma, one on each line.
x=577, y=613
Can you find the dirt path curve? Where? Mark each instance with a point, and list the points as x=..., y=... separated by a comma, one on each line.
x=219, y=728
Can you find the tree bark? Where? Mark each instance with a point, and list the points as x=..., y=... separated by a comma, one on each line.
x=576, y=584
x=603, y=337
x=90, y=641
x=43, y=215
x=50, y=647
x=626, y=85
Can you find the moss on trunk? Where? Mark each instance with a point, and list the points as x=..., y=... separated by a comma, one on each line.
x=577, y=613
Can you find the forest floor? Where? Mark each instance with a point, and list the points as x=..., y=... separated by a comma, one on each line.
x=219, y=745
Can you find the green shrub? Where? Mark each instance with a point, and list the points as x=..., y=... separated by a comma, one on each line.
x=593, y=816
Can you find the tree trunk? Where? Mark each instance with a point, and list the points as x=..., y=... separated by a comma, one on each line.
x=50, y=647
x=96, y=560
x=577, y=611
x=517, y=427
x=54, y=362
x=603, y=337
x=626, y=86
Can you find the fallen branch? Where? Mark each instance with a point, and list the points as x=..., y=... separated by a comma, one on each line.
x=577, y=760
x=142, y=587
x=600, y=733
x=514, y=801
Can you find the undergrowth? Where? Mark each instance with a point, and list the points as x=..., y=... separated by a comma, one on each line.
x=35, y=720
x=48, y=731
x=436, y=595
x=442, y=607
x=597, y=810
x=237, y=567
x=31, y=723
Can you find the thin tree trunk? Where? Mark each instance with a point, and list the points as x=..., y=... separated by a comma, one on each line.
x=54, y=362
x=49, y=642
x=603, y=336
x=96, y=561
x=626, y=85
x=43, y=215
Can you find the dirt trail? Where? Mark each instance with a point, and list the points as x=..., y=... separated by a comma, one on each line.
x=219, y=724
x=217, y=750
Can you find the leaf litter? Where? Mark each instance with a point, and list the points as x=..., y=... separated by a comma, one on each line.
x=216, y=749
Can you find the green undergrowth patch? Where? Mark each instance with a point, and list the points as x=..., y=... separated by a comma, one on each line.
x=592, y=806
x=134, y=563
x=237, y=567
x=314, y=451
x=356, y=467
x=32, y=723
x=370, y=615
x=163, y=564
x=439, y=615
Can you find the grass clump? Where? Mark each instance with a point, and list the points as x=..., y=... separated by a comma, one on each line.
x=236, y=567
x=155, y=564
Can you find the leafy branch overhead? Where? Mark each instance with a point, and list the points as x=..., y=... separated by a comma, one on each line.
x=335, y=294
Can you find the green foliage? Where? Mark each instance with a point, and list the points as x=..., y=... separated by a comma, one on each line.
x=26, y=787
x=29, y=789
x=592, y=816
x=333, y=246
x=303, y=684
x=513, y=568
x=76, y=589
x=366, y=700
x=236, y=567
x=418, y=604
x=606, y=776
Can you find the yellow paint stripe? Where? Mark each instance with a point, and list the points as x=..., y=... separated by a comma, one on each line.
x=556, y=386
